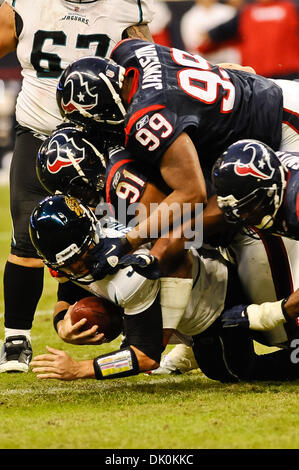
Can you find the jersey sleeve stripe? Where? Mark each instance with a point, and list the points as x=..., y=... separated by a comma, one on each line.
x=291, y=119
x=138, y=115
x=111, y=174
x=279, y=265
x=140, y=11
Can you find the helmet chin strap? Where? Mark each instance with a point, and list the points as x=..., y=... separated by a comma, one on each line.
x=96, y=151
x=268, y=220
x=115, y=95
x=76, y=165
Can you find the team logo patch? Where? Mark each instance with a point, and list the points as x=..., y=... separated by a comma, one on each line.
x=258, y=167
x=142, y=122
x=73, y=205
x=80, y=96
x=64, y=161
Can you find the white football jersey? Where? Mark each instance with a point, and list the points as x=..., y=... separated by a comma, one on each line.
x=210, y=276
x=56, y=33
x=135, y=293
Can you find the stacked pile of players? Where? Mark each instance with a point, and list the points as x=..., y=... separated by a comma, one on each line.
x=150, y=135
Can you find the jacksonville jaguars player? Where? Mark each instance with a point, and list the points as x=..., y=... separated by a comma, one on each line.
x=47, y=36
x=179, y=113
x=64, y=233
x=259, y=187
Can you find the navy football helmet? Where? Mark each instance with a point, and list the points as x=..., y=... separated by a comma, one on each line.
x=62, y=230
x=68, y=162
x=89, y=89
x=250, y=181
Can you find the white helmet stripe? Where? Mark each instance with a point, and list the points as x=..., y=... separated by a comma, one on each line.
x=115, y=95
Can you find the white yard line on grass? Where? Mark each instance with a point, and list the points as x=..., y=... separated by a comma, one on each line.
x=39, y=312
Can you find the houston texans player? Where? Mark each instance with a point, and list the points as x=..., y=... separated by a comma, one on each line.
x=259, y=187
x=64, y=232
x=47, y=36
x=267, y=261
x=179, y=113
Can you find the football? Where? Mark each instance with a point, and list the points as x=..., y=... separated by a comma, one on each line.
x=101, y=312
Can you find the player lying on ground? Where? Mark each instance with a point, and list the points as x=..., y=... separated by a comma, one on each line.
x=64, y=232
x=179, y=113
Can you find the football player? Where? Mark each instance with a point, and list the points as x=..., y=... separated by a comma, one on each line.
x=267, y=261
x=64, y=233
x=259, y=187
x=179, y=113
x=47, y=36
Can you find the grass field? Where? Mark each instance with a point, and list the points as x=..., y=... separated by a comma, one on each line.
x=144, y=412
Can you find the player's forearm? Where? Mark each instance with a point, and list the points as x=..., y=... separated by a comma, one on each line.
x=144, y=362
x=213, y=219
x=165, y=217
x=291, y=306
x=85, y=370
x=60, y=310
x=181, y=171
x=8, y=40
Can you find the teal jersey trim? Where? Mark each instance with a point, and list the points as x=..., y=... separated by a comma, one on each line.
x=140, y=11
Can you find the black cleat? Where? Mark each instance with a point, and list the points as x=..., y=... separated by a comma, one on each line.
x=16, y=354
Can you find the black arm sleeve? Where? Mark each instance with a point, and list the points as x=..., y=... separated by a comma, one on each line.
x=145, y=331
x=70, y=292
x=225, y=31
x=19, y=24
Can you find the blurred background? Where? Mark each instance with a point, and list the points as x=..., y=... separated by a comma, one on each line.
x=260, y=33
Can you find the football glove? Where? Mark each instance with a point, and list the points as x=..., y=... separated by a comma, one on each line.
x=144, y=264
x=235, y=316
x=106, y=255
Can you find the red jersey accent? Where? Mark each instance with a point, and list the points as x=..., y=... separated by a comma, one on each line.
x=290, y=125
x=297, y=206
x=111, y=174
x=135, y=82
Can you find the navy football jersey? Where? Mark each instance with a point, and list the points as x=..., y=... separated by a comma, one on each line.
x=174, y=91
x=290, y=209
x=126, y=180
x=125, y=183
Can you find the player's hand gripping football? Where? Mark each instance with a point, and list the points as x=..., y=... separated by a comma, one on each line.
x=73, y=334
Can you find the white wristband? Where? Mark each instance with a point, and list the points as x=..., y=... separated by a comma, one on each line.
x=174, y=297
x=265, y=316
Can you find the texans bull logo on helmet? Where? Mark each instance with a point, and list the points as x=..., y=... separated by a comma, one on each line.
x=60, y=162
x=257, y=167
x=77, y=90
